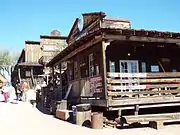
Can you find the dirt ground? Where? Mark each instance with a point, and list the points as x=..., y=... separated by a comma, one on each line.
x=21, y=118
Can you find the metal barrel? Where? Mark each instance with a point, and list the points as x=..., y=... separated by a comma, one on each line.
x=83, y=115
x=97, y=120
x=74, y=113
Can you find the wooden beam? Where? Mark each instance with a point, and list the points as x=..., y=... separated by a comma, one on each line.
x=165, y=117
x=162, y=80
x=82, y=47
x=141, y=87
x=32, y=76
x=141, y=92
x=146, y=106
x=143, y=101
x=104, y=68
x=141, y=39
x=19, y=74
x=144, y=75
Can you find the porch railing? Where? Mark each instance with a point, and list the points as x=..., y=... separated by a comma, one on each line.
x=129, y=84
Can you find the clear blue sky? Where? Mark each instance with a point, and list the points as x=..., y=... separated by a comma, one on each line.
x=22, y=20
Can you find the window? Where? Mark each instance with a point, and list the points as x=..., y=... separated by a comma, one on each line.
x=129, y=66
x=124, y=67
x=97, y=70
x=71, y=71
x=83, y=65
x=28, y=73
x=143, y=67
x=112, y=66
x=75, y=70
x=154, y=68
x=91, y=65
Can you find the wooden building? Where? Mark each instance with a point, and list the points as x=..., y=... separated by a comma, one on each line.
x=28, y=67
x=51, y=46
x=31, y=64
x=113, y=66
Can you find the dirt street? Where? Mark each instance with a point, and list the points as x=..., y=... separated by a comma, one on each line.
x=20, y=119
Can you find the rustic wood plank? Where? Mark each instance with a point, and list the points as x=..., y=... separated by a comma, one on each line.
x=132, y=87
x=115, y=103
x=141, y=92
x=140, y=38
x=163, y=80
x=136, y=87
x=165, y=117
x=116, y=74
x=103, y=51
x=144, y=75
x=81, y=48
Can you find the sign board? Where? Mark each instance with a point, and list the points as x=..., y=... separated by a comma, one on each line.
x=114, y=24
x=96, y=84
x=50, y=48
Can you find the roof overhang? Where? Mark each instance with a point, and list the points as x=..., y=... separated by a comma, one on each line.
x=141, y=35
x=30, y=64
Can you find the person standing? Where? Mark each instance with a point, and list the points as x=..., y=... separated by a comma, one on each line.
x=18, y=91
x=11, y=93
x=38, y=91
x=5, y=90
x=25, y=90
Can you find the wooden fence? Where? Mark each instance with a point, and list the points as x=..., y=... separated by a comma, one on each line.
x=119, y=84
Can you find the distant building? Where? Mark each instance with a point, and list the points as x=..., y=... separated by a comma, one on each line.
x=35, y=55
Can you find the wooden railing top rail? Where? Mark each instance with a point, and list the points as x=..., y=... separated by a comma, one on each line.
x=144, y=80
x=144, y=75
x=115, y=93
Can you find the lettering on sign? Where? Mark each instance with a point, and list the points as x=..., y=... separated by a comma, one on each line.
x=50, y=48
x=95, y=84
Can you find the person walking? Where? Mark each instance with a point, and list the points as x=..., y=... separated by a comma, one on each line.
x=5, y=90
x=18, y=91
x=25, y=90
x=38, y=90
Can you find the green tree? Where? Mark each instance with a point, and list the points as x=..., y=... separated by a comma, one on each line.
x=7, y=61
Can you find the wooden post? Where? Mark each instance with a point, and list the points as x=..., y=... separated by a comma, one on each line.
x=119, y=113
x=19, y=74
x=32, y=77
x=104, y=68
x=79, y=75
x=53, y=76
x=136, y=110
x=47, y=79
x=60, y=68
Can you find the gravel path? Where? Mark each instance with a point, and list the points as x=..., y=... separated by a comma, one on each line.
x=20, y=119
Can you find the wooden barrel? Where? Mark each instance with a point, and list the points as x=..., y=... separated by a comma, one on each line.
x=97, y=120
x=83, y=115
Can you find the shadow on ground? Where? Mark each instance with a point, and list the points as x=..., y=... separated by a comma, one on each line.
x=43, y=110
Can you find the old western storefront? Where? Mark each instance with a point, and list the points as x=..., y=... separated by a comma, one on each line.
x=113, y=66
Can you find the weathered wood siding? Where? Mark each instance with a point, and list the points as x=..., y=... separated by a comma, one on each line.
x=51, y=47
x=86, y=78
x=32, y=53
